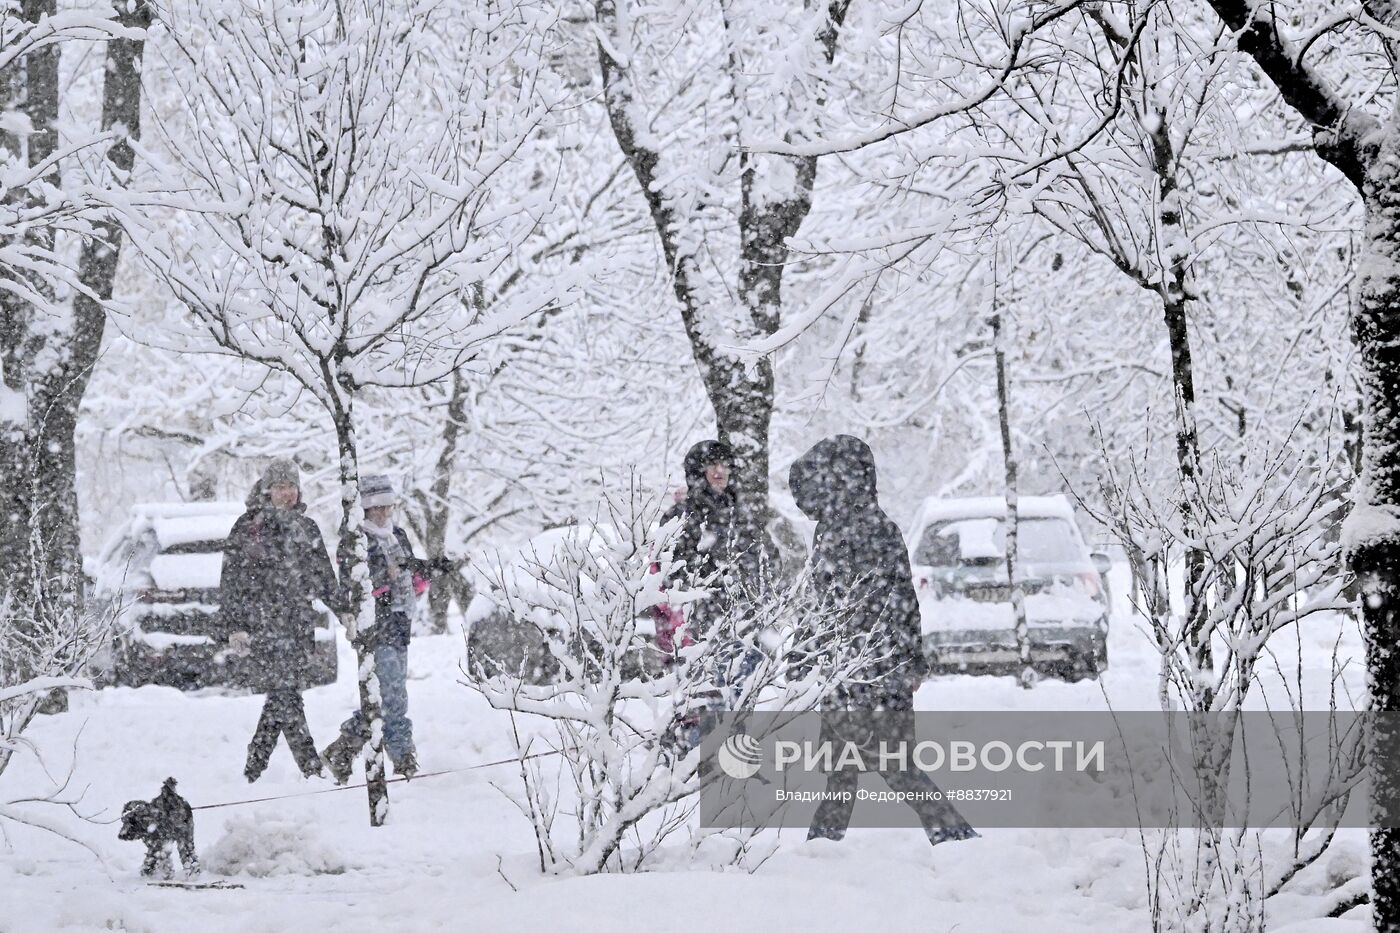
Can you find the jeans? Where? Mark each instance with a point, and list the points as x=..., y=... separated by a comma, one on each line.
x=734, y=664
x=391, y=665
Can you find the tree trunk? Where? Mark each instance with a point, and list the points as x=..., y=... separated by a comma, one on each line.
x=40, y=552
x=359, y=615
x=1375, y=554
x=1177, y=294
x=742, y=395
x=1013, y=577
x=56, y=449
x=27, y=555
x=437, y=511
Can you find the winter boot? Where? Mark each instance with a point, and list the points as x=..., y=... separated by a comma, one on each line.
x=406, y=766
x=339, y=757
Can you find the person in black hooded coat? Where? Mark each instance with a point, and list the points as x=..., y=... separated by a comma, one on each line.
x=860, y=570
x=859, y=561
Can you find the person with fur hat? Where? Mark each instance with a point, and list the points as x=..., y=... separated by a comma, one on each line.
x=397, y=577
x=275, y=566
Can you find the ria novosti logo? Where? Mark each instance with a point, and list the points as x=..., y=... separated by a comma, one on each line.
x=740, y=756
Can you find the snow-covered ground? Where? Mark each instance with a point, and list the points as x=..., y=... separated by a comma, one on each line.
x=456, y=855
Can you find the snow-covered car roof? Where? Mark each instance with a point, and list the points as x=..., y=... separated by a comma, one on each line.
x=511, y=564
x=171, y=524
x=187, y=571
x=176, y=523
x=942, y=510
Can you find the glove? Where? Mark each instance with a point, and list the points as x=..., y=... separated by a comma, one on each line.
x=440, y=566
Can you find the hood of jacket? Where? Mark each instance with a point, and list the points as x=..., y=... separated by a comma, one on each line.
x=700, y=456
x=836, y=477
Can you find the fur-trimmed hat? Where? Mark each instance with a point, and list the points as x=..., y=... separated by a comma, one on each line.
x=280, y=470
x=377, y=490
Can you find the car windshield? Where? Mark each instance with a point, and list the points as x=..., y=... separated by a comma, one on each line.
x=982, y=540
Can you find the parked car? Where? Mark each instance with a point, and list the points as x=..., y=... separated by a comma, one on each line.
x=958, y=552
x=499, y=642
x=159, y=576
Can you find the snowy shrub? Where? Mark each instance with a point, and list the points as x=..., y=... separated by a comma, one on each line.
x=42, y=654
x=261, y=846
x=1256, y=546
x=619, y=775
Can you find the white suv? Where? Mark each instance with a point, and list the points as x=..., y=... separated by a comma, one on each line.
x=958, y=553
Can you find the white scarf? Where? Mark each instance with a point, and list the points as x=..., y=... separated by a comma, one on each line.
x=400, y=578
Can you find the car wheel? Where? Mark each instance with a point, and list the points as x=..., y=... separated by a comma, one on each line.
x=501, y=645
x=1082, y=667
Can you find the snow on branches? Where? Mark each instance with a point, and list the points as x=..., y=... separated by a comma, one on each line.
x=339, y=189
x=334, y=199
x=624, y=765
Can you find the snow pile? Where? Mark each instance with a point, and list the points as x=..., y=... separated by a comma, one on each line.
x=261, y=846
x=187, y=571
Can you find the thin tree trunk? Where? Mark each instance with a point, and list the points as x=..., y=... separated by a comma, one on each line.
x=437, y=512
x=1013, y=576
x=359, y=619
x=1177, y=294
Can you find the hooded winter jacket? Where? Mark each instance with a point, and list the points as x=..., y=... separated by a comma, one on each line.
x=860, y=568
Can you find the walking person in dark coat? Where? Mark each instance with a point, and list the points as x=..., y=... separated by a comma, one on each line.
x=860, y=568
x=275, y=565
x=397, y=577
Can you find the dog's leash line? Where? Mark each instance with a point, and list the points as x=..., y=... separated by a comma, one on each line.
x=393, y=780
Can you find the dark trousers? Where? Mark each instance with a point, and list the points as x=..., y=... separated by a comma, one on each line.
x=283, y=713
x=941, y=820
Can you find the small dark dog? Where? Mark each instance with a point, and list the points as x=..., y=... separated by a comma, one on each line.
x=159, y=823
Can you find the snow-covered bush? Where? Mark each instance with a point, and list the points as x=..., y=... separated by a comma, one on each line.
x=1257, y=551
x=1264, y=534
x=41, y=655
x=609, y=764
